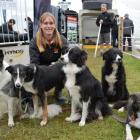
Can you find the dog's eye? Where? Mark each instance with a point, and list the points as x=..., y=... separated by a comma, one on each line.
x=22, y=73
x=14, y=73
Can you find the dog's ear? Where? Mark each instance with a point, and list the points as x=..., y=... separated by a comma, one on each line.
x=83, y=56
x=105, y=56
x=121, y=54
x=31, y=69
x=1, y=54
x=9, y=69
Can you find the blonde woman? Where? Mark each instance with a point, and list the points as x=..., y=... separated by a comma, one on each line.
x=46, y=47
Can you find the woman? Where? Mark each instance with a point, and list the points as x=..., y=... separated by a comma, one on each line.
x=46, y=47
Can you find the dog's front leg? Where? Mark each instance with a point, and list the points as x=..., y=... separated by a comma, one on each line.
x=45, y=111
x=35, y=104
x=11, y=111
x=74, y=116
x=129, y=135
x=84, y=113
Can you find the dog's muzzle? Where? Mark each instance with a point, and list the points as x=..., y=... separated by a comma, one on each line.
x=18, y=85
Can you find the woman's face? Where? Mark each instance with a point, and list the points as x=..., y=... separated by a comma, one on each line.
x=48, y=26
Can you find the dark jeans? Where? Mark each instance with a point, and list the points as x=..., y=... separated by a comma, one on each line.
x=129, y=42
x=115, y=39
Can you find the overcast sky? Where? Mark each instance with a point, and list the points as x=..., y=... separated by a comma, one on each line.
x=123, y=6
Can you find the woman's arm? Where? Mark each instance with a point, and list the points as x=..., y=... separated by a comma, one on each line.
x=34, y=52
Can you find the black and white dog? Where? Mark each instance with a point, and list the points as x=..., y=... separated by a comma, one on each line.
x=38, y=80
x=9, y=98
x=84, y=89
x=114, y=78
x=133, y=116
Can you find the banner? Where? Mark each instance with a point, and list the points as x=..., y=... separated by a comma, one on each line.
x=72, y=28
x=40, y=6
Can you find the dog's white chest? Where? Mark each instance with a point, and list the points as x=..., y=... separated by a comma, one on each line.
x=29, y=87
x=112, y=77
x=71, y=81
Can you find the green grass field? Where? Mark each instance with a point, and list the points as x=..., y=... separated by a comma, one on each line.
x=58, y=129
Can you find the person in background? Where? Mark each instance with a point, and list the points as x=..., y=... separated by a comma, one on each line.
x=106, y=22
x=30, y=27
x=115, y=24
x=128, y=31
x=46, y=47
x=7, y=28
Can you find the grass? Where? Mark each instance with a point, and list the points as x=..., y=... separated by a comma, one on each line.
x=58, y=129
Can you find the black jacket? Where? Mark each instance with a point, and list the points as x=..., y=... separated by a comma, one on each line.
x=107, y=22
x=128, y=26
x=51, y=54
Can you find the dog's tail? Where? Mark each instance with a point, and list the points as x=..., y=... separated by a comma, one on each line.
x=53, y=110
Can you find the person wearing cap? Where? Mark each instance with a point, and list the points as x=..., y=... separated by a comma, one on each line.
x=7, y=28
x=128, y=31
x=106, y=22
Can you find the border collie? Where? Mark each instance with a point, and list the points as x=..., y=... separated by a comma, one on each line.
x=114, y=78
x=9, y=98
x=133, y=116
x=38, y=80
x=85, y=90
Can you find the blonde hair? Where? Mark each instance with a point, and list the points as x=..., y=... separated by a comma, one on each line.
x=41, y=39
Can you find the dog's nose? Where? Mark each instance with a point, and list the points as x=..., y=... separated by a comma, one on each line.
x=62, y=58
x=119, y=59
x=18, y=85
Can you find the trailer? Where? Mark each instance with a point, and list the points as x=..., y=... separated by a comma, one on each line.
x=88, y=30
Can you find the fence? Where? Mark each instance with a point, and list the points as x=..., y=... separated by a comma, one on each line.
x=19, y=32
x=14, y=42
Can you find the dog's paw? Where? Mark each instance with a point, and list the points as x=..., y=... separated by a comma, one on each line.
x=11, y=124
x=121, y=109
x=43, y=122
x=129, y=138
x=68, y=119
x=81, y=123
x=100, y=118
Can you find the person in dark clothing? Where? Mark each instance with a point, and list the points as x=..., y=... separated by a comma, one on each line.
x=106, y=22
x=105, y=19
x=46, y=47
x=128, y=31
x=7, y=28
x=115, y=24
x=30, y=27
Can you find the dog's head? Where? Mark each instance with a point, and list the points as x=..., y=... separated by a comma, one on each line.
x=113, y=55
x=76, y=56
x=21, y=74
x=133, y=106
x=1, y=59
